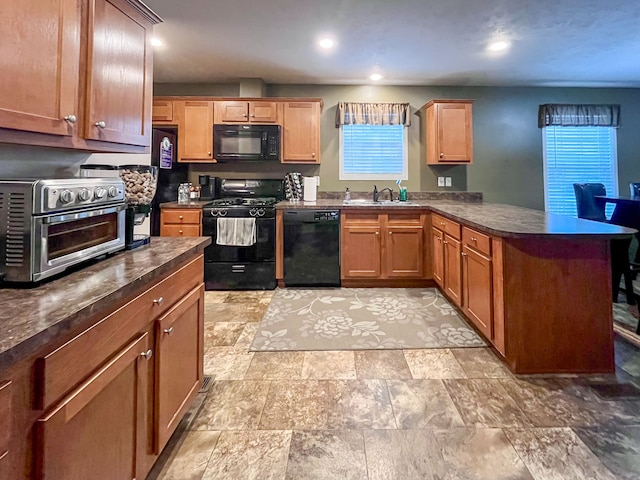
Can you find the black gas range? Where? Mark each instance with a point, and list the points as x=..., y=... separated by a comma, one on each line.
x=242, y=227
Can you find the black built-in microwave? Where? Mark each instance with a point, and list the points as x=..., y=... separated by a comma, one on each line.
x=246, y=142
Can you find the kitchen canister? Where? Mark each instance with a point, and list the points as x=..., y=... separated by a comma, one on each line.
x=310, y=186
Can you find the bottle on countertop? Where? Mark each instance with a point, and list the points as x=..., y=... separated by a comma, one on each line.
x=347, y=195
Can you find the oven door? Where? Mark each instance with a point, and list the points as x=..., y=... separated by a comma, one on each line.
x=70, y=238
x=262, y=251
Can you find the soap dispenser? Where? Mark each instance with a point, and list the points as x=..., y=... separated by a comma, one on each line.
x=347, y=195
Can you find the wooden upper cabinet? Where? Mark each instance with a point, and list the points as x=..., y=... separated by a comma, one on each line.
x=162, y=111
x=119, y=85
x=449, y=131
x=301, y=132
x=40, y=51
x=195, y=130
x=246, y=111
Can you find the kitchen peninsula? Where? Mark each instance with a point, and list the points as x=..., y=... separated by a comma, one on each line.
x=98, y=366
x=537, y=286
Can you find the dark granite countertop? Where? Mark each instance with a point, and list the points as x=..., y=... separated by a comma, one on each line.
x=32, y=317
x=495, y=219
x=196, y=204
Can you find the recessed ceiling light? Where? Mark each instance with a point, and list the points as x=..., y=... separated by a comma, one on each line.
x=156, y=42
x=326, y=43
x=498, y=46
x=375, y=76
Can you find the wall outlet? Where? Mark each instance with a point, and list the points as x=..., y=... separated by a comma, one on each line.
x=447, y=181
x=441, y=181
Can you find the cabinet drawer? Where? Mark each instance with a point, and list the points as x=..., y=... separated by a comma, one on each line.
x=5, y=422
x=404, y=219
x=181, y=216
x=65, y=367
x=446, y=225
x=476, y=240
x=162, y=111
x=360, y=218
x=180, y=230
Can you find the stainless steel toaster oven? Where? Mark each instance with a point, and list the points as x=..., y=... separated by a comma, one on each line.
x=47, y=226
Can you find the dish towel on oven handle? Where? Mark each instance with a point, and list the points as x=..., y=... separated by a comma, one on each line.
x=237, y=232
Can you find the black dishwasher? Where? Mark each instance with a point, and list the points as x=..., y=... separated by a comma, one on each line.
x=311, y=248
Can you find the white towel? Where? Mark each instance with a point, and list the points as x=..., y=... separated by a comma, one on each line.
x=238, y=232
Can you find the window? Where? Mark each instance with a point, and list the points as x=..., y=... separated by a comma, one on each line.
x=577, y=154
x=373, y=152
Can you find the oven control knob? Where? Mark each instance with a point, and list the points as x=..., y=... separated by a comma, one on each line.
x=253, y=212
x=113, y=191
x=84, y=194
x=66, y=196
x=222, y=213
x=260, y=212
x=99, y=193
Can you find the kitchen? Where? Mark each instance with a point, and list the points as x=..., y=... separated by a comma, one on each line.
x=507, y=145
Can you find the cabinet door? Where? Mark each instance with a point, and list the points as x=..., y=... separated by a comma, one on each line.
x=360, y=252
x=40, y=51
x=452, y=269
x=119, y=74
x=301, y=136
x=404, y=252
x=234, y=111
x=477, y=289
x=5, y=427
x=96, y=431
x=437, y=256
x=179, y=349
x=195, y=130
x=162, y=111
x=263, y=112
x=454, y=132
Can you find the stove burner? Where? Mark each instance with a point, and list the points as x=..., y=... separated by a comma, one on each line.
x=243, y=202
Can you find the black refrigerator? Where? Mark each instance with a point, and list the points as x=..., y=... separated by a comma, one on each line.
x=164, y=155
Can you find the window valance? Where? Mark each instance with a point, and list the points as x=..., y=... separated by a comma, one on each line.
x=554, y=114
x=349, y=113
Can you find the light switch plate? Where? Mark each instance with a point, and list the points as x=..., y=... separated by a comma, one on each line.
x=447, y=181
x=441, y=181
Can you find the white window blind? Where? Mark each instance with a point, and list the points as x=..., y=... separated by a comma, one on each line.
x=373, y=152
x=577, y=155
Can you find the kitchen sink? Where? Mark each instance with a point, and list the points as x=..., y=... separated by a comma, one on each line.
x=380, y=203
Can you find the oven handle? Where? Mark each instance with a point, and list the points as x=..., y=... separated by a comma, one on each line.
x=67, y=217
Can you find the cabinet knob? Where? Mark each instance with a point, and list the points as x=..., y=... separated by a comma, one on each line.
x=441, y=155
x=377, y=233
x=473, y=239
x=313, y=154
x=100, y=124
x=158, y=301
x=71, y=118
x=390, y=233
x=168, y=331
x=244, y=115
x=445, y=242
x=252, y=115
x=147, y=355
x=209, y=153
x=463, y=254
x=180, y=217
x=180, y=232
x=442, y=224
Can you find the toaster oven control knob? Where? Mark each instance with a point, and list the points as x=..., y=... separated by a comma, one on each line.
x=84, y=194
x=113, y=191
x=99, y=193
x=66, y=196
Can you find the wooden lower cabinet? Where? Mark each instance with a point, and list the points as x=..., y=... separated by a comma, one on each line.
x=452, y=269
x=179, y=363
x=382, y=245
x=96, y=431
x=5, y=426
x=477, y=288
x=177, y=222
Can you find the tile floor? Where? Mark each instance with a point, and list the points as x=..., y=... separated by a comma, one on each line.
x=412, y=414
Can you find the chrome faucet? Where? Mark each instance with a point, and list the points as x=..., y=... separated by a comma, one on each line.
x=376, y=193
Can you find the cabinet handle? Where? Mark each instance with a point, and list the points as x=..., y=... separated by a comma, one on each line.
x=168, y=331
x=147, y=355
x=158, y=301
x=71, y=118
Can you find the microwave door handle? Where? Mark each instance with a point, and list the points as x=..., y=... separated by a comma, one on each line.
x=265, y=144
x=65, y=217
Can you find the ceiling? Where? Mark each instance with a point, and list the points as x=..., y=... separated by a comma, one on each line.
x=410, y=42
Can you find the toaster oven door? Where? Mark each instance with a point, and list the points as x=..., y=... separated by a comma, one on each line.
x=70, y=238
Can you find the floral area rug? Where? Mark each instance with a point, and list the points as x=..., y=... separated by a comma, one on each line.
x=362, y=319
